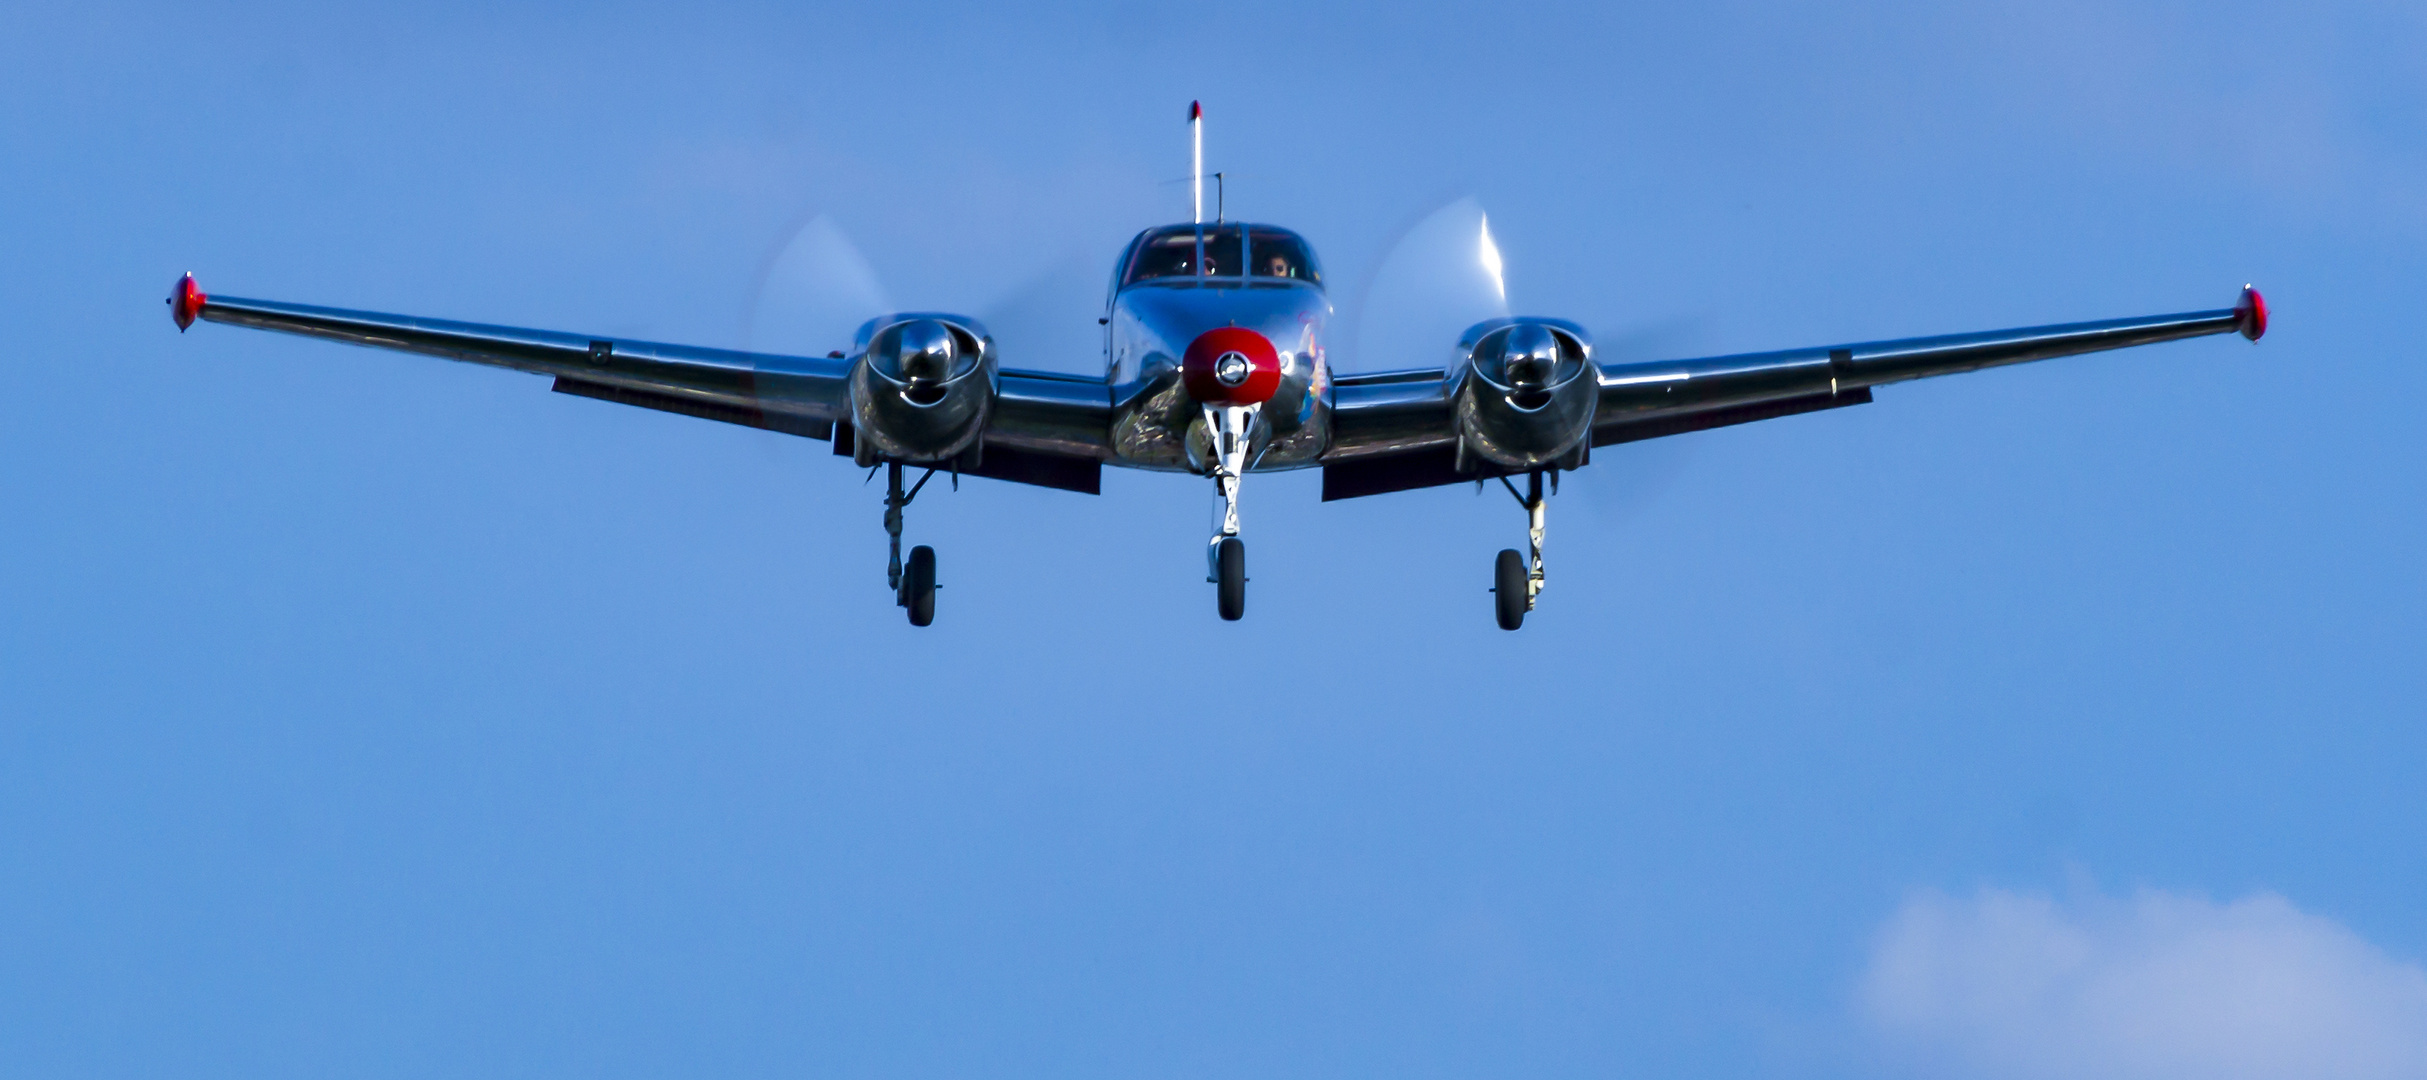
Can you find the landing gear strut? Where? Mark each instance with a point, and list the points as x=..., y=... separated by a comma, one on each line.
x=1226, y=558
x=1514, y=583
x=913, y=585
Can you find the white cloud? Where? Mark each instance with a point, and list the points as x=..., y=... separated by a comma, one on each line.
x=2156, y=985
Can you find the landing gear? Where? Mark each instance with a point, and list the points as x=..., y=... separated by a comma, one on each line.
x=1514, y=583
x=1228, y=426
x=1230, y=576
x=913, y=586
x=918, y=585
x=1508, y=589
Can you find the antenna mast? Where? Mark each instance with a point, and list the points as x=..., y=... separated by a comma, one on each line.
x=1196, y=175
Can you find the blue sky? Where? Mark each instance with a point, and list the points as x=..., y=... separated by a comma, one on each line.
x=370, y=715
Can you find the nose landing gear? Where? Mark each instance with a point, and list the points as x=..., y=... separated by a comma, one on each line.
x=1514, y=583
x=1226, y=558
x=913, y=585
x=1230, y=577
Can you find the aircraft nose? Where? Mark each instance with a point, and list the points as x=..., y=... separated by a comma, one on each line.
x=1231, y=366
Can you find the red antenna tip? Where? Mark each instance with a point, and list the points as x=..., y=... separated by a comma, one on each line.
x=1196, y=112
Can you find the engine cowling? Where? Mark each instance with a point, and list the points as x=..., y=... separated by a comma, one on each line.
x=1528, y=393
x=922, y=388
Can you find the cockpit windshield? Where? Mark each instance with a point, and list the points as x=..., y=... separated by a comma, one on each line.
x=1221, y=251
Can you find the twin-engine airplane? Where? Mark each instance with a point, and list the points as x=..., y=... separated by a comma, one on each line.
x=1215, y=365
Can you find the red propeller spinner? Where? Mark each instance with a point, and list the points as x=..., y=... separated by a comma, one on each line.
x=1231, y=366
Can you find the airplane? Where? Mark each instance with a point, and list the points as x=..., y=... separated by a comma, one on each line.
x=1216, y=364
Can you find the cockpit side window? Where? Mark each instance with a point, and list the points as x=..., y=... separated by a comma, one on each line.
x=1279, y=253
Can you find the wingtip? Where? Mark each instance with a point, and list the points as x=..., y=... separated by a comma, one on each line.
x=185, y=302
x=2253, y=310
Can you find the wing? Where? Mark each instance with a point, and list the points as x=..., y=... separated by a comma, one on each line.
x=1642, y=401
x=1050, y=427
x=1394, y=431
x=799, y=395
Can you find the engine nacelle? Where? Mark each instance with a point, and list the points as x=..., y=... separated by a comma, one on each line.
x=922, y=388
x=1527, y=395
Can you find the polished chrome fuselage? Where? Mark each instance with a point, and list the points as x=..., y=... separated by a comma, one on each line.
x=1156, y=424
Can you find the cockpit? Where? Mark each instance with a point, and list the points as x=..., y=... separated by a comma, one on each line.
x=1260, y=254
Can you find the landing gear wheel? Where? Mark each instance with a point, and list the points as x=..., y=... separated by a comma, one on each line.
x=1230, y=568
x=918, y=585
x=1508, y=589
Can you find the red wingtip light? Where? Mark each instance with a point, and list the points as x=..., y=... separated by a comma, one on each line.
x=1196, y=112
x=2253, y=309
x=185, y=302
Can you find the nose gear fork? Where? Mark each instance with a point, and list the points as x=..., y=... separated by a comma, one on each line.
x=1225, y=518
x=1227, y=427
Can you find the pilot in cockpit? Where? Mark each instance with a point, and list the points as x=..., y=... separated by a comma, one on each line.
x=1260, y=252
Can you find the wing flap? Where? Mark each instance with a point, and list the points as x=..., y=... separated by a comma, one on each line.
x=1437, y=466
x=1041, y=470
x=1014, y=465
x=1680, y=423
x=701, y=407
x=1434, y=466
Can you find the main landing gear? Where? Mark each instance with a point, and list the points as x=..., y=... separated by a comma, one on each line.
x=913, y=584
x=1514, y=583
x=1226, y=558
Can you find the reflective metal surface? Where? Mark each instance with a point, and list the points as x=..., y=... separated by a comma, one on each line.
x=802, y=389
x=922, y=388
x=1648, y=392
x=1525, y=396
x=1062, y=415
x=1389, y=413
x=1157, y=422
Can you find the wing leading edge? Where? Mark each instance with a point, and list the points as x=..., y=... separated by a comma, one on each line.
x=1393, y=432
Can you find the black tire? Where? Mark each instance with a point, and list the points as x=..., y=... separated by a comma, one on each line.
x=1230, y=563
x=918, y=585
x=1508, y=589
